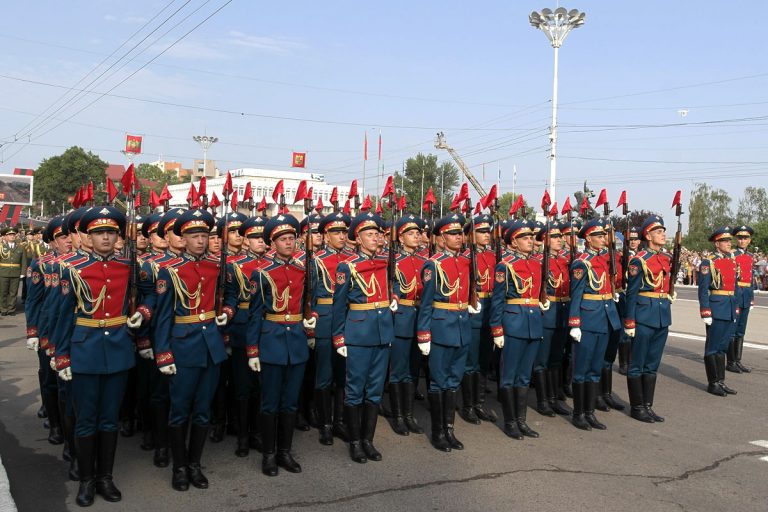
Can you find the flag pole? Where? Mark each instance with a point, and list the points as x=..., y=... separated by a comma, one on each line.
x=421, y=208
x=365, y=157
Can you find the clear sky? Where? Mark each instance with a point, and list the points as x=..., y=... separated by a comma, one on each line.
x=333, y=71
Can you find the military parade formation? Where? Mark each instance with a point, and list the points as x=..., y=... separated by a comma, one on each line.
x=260, y=326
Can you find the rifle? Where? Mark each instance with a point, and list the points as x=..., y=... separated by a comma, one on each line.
x=473, y=298
x=625, y=248
x=133, y=276
x=496, y=234
x=545, y=260
x=677, y=248
x=612, y=271
x=221, y=279
x=391, y=265
x=306, y=298
x=572, y=241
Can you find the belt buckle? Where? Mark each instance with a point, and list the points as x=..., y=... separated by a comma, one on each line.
x=459, y=305
x=201, y=316
x=376, y=305
x=102, y=323
x=287, y=317
x=527, y=301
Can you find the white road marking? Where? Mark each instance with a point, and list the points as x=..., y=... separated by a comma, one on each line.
x=762, y=443
x=695, y=337
x=764, y=458
x=696, y=300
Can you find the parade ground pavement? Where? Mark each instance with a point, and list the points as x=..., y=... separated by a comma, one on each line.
x=711, y=453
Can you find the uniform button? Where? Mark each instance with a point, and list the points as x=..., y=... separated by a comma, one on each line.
x=202, y=279
x=106, y=333
x=106, y=314
x=109, y=281
x=379, y=312
x=109, y=296
x=203, y=327
x=288, y=328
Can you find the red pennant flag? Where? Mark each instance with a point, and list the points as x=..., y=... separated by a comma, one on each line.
x=233, y=204
x=137, y=201
x=227, y=185
x=389, y=187
x=567, y=206
x=214, y=202
x=622, y=199
x=248, y=194
x=154, y=200
x=299, y=160
x=401, y=203
x=519, y=203
x=464, y=192
x=430, y=197
x=553, y=211
x=347, y=209
x=192, y=194
x=311, y=193
x=488, y=200
x=478, y=207
x=353, y=189
x=202, y=188
x=279, y=189
x=319, y=206
x=111, y=190
x=128, y=179
x=465, y=206
x=89, y=191
x=378, y=209
x=367, y=204
x=455, y=203
x=76, y=199
x=165, y=195
x=602, y=199
x=262, y=205
x=301, y=192
x=334, y=195
x=677, y=199
x=286, y=210
x=584, y=208
x=546, y=201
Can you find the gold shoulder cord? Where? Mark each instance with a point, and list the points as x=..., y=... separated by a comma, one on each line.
x=325, y=276
x=4, y=253
x=648, y=276
x=716, y=276
x=594, y=282
x=245, y=290
x=83, y=294
x=525, y=284
x=279, y=300
x=445, y=286
x=405, y=288
x=182, y=294
x=367, y=287
x=555, y=284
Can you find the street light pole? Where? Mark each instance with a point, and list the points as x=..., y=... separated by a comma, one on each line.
x=556, y=26
x=205, y=142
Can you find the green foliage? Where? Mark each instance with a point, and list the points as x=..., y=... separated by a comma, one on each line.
x=59, y=177
x=753, y=206
x=160, y=177
x=708, y=208
x=443, y=178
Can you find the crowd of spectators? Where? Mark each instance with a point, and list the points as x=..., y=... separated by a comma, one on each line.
x=691, y=260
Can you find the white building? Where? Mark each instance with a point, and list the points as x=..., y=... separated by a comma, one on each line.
x=263, y=182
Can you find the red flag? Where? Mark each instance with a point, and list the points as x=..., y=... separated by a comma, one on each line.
x=430, y=197
x=279, y=189
x=553, y=211
x=365, y=148
x=602, y=199
x=567, y=206
x=89, y=191
x=311, y=193
x=248, y=194
x=319, y=206
x=301, y=192
x=465, y=206
x=133, y=144
x=137, y=201
x=233, y=204
x=353, y=189
x=478, y=207
x=401, y=203
x=128, y=179
x=367, y=205
x=192, y=194
x=487, y=200
x=227, y=185
x=464, y=191
x=519, y=203
x=299, y=160
x=622, y=199
x=677, y=199
x=165, y=195
x=347, y=209
x=286, y=210
x=202, y=188
x=546, y=201
x=262, y=205
x=334, y=195
x=214, y=202
x=378, y=208
x=455, y=203
x=584, y=206
x=154, y=200
x=111, y=190
x=76, y=198
x=389, y=187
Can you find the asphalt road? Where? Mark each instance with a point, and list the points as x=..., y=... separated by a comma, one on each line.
x=711, y=454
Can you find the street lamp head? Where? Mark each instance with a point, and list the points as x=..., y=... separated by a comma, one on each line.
x=557, y=24
x=205, y=141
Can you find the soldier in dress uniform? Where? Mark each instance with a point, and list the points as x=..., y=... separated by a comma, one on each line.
x=516, y=324
x=363, y=332
x=329, y=366
x=188, y=344
x=719, y=299
x=34, y=248
x=648, y=317
x=625, y=344
x=746, y=262
x=13, y=268
x=547, y=367
x=480, y=350
x=444, y=329
x=592, y=315
x=405, y=355
x=95, y=350
x=570, y=235
x=245, y=383
x=278, y=344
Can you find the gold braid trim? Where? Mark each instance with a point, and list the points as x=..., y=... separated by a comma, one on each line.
x=373, y=284
x=649, y=277
x=446, y=287
x=405, y=288
x=555, y=284
x=594, y=282
x=182, y=294
x=83, y=294
x=4, y=253
x=277, y=297
x=245, y=289
x=525, y=284
x=325, y=276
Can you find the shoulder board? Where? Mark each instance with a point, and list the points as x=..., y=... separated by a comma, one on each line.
x=642, y=254
x=582, y=256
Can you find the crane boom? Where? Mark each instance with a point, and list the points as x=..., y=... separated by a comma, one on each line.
x=441, y=144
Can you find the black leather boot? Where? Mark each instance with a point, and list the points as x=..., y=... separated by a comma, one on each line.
x=301, y=420
x=649, y=388
x=339, y=428
x=254, y=421
x=478, y=388
x=449, y=416
x=286, y=422
x=539, y=382
x=105, y=463
x=731, y=364
x=268, y=446
x=713, y=386
x=370, y=416
x=407, y=396
x=325, y=423
x=507, y=400
x=566, y=374
x=625, y=353
x=243, y=446
x=467, y=411
x=720, y=358
x=55, y=433
x=636, y=403
x=553, y=385
x=86, y=454
x=197, y=437
x=353, y=423
x=42, y=412
x=739, y=352
x=161, y=458
x=591, y=392
x=395, y=402
x=68, y=425
x=579, y=397
x=606, y=386
x=521, y=409
x=436, y=413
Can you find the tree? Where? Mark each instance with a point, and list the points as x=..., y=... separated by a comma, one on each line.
x=443, y=179
x=60, y=176
x=708, y=208
x=157, y=175
x=753, y=207
x=636, y=219
x=505, y=202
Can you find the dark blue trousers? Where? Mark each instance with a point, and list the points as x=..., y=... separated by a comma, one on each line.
x=446, y=367
x=589, y=356
x=612, y=348
x=366, y=373
x=192, y=391
x=49, y=381
x=401, y=360
x=541, y=361
x=517, y=361
x=245, y=382
x=558, y=339
x=280, y=387
x=647, y=349
x=719, y=336
x=96, y=399
x=329, y=366
x=741, y=322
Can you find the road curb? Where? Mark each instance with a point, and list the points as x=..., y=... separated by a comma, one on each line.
x=6, y=500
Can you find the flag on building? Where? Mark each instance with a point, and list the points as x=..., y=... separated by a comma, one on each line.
x=133, y=144
x=299, y=160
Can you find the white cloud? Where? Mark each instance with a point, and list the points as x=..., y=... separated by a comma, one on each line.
x=264, y=43
x=110, y=17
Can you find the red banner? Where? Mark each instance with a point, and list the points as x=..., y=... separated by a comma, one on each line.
x=133, y=144
x=299, y=160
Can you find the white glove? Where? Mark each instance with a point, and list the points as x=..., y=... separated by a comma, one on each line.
x=673, y=297
x=254, y=364
x=66, y=374
x=576, y=334
x=616, y=297
x=472, y=310
x=498, y=341
x=707, y=320
x=134, y=322
x=311, y=343
x=424, y=347
x=33, y=343
x=393, y=305
x=630, y=332
x=146, y=353
x=22, y=276
x=342, y=351
x=168, y=370
x=310, y=323
x=544, y=306
x=221, y=320
x=751, y=308
x=52, y=364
